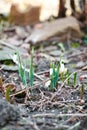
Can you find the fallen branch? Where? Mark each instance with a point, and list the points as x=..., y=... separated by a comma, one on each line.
x=52, y=115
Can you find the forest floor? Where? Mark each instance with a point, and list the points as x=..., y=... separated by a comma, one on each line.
x=36, y=107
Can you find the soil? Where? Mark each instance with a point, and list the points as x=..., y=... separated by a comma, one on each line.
x=38, y=108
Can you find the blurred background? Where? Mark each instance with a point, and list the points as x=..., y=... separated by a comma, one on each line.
x=25, y=12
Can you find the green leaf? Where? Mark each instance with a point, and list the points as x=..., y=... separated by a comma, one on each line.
x=22, y=72
x=67, y=76
x=75, y=78
x=31, y=74
x=54, y=76
x=82, y=90
x=24, y=76
x=58, y=68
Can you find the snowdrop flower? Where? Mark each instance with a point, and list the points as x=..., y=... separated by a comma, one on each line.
x=51, y=70
x=62, y=68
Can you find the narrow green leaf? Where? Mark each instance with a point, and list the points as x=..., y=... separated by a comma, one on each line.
x=31, y=74
x=82, y=90
x=67, y=76
x=21, y=70
x=54, y=76
x=24, y=76
x=75, y=78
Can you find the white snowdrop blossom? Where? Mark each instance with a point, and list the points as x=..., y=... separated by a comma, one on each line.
x=51, y=70
x=62, y=68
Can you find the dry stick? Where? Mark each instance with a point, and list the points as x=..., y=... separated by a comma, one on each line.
x=59, y=115
x=7, y=44
x=59, y=90
x=74, y=126
x=35, y=86
x=42, y=72
x=11, y=76
x=67, y=79
x=1, y=67
x=28, y=70
x=28, y=88
x=34, y=125
x=71, y=119
x=56, y=93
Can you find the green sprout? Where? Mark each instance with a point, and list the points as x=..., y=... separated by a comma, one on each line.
x=22, y=71
x=54, y=75
x=75, y=78
x=68, y=77
x=82, y=90
x=31, y=73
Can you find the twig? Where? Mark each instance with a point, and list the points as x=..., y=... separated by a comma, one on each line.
x=67, y=79
x=33, y=124
x=1, y=67
x=29, y=88
x=9, y=45
x=74, y=126
x=58, y=115
x=42, y=72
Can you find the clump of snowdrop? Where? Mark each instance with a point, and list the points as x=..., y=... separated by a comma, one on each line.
x=55, y=72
